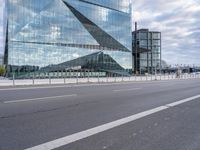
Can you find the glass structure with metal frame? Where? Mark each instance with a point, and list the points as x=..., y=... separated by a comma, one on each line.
x=60, y=35
x=148, y=51
x=1, y=60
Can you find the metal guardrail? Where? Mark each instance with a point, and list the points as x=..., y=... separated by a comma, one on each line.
x=88, y=79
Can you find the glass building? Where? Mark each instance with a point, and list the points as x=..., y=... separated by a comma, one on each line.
x=147, y=54
x=1, y=60
x=45, y=36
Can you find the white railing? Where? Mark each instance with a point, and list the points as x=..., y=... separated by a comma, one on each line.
x=77, y=80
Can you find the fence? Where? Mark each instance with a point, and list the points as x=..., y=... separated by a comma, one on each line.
x=91, y=79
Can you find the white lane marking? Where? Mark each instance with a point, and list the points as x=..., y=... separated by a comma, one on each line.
x=182, y=101
x=36, y=99
x=87, y=133
x=84, y=134
x=124, y=90
x=80, y=85
x=32, y=88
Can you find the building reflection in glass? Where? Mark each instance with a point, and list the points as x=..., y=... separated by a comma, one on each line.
x=47, y=33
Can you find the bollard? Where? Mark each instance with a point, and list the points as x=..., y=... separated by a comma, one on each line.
x=160, y=77
x=88, y=76
x=77, y=77
x=49, y=79
x=107, y=78
x=64, y=78
x=155, y=76
x=13, y=79
x=33, y=79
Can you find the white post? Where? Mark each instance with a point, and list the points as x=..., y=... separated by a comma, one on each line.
x=160, y=75
x=135, y=77
x=49, y=78
x=33, y=78
x=88, y=76
x=13, y=79
x=155, y=73
x=77, y=77
x=168, y=75
x=107, y=78
x=64, y=77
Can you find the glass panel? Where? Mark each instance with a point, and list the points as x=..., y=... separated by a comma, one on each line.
x=50, y=25
x=116, y=24
x=121, y=5
x=47, y=36
x=155, y=42
x=143, y=35
x=156, y=35
x=143, y=43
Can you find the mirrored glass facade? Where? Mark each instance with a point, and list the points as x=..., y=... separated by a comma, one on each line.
x=1, y=60
x=149, y=51
x=46, y=33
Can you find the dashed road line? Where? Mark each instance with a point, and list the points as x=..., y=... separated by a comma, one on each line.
x=38, y=99
x=124, y=90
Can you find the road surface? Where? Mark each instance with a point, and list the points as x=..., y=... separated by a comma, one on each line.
x=114, y=116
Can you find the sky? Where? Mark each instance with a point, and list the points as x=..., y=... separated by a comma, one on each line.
x=178, y=20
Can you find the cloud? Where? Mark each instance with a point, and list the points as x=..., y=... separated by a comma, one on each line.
x=179, y=21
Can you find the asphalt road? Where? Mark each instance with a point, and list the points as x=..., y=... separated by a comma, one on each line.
x=32, y=116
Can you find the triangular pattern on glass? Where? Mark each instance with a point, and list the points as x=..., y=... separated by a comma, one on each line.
x=106, y=19
x=50, y=24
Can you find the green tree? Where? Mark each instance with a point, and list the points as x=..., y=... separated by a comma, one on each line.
x=2, y=70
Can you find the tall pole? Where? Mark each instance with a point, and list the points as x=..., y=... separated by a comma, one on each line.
x=136, y=53
x=160, y=53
